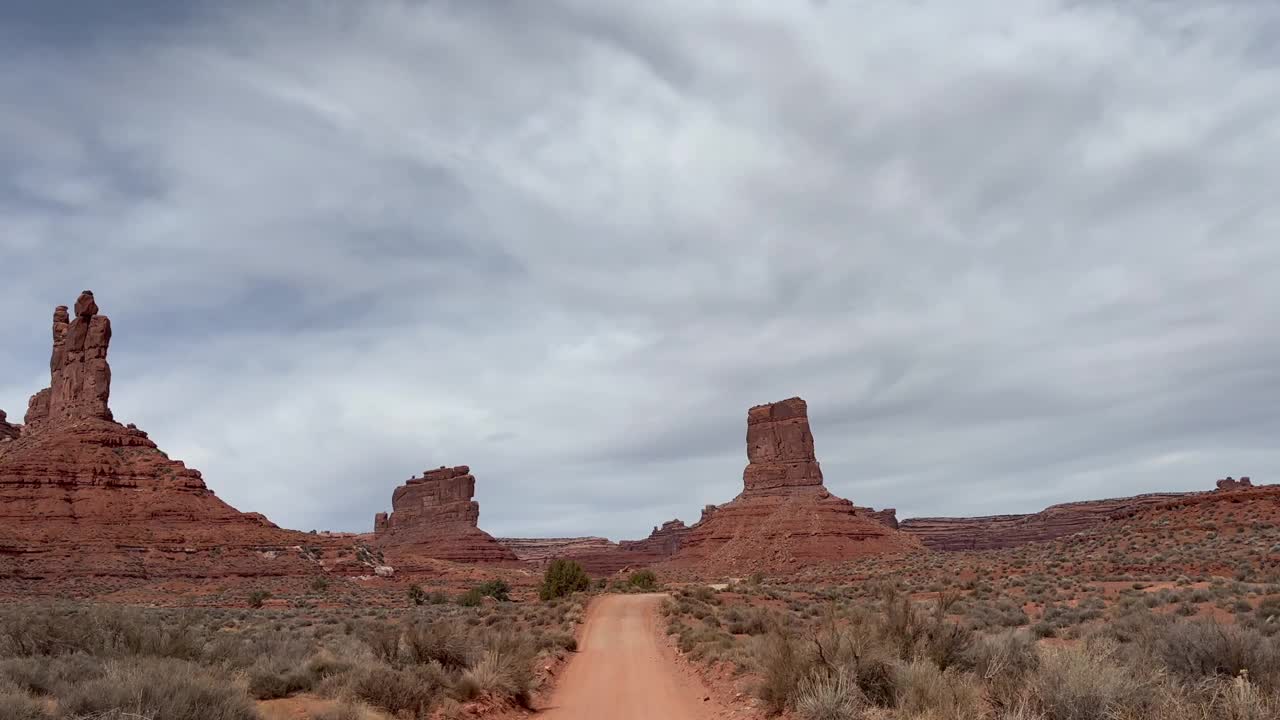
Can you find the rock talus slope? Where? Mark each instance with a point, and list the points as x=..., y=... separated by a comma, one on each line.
x=784, y=515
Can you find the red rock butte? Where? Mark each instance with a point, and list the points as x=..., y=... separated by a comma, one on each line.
x=784, y=515
x=81, y=494
x=434, y=516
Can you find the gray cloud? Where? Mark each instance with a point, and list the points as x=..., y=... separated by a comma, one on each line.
x=1012, y=255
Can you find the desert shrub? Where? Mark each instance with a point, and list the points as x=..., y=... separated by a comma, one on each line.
x=258, y=597
x=441, y=641
x=562, y=578
x=320, y=584
x=383, y=640
x=921, y=688
x=1239, y=699
x=414, y=690
x=159, y=688
x=827, y=696
x=782, y=665
x=497, y=589
x=561, y=640
x=17, y=705
x=1196, y=650
x=1003, y=663
x=643, y=580
x=417, y=595
x=751, y=621
x=470, y=598
x=1086, y=684
x=504, y=670
x=101, y=630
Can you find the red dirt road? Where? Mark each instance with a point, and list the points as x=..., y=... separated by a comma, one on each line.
x=624, y=671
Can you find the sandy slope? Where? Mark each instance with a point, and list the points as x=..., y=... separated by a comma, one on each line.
x=624, y=671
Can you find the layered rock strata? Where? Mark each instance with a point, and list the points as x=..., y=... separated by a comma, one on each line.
x=785, y=517
x=435, y=516
x=993, y=532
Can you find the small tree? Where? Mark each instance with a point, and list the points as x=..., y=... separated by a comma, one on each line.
x=643, y=580
x=497, y=589
x=563, y=577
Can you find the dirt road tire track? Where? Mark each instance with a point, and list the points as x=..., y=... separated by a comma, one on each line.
x=624, y=670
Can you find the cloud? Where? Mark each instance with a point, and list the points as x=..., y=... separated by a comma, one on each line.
x=1012, y=255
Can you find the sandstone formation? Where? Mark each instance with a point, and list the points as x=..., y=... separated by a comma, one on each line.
x=8, y=431
x=434, y=516
x=887, y=516
x=784, y=515
x=81, y=494
x=1229, y=483
x=1002, y=531
x=539, y=552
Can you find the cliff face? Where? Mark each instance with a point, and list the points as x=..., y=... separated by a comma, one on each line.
x=1002, y=531
x=784, y=515
x=81, y=494
x=434, y=516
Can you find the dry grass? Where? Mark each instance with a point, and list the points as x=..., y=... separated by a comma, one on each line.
x=96, y=661
x=872, y=651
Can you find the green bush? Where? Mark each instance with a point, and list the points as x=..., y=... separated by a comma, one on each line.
x=258, y=597
x=563, y=577
x=497, y=589
x=643, y=580
x=417, y=595
x=470, y=598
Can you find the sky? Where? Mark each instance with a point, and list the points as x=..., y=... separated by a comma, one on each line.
x=1011, y=253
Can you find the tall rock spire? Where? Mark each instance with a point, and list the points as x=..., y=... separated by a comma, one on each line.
x=79, y=376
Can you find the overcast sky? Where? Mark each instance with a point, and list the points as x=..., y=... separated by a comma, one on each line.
x=1012, y=253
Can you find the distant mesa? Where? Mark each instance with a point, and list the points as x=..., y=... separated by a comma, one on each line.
x=785, y=516
x=435, y=516
x=994, y=532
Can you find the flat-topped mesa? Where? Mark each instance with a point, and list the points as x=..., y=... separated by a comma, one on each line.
x=993, y=532
x=434, y=516
x=780, y=451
